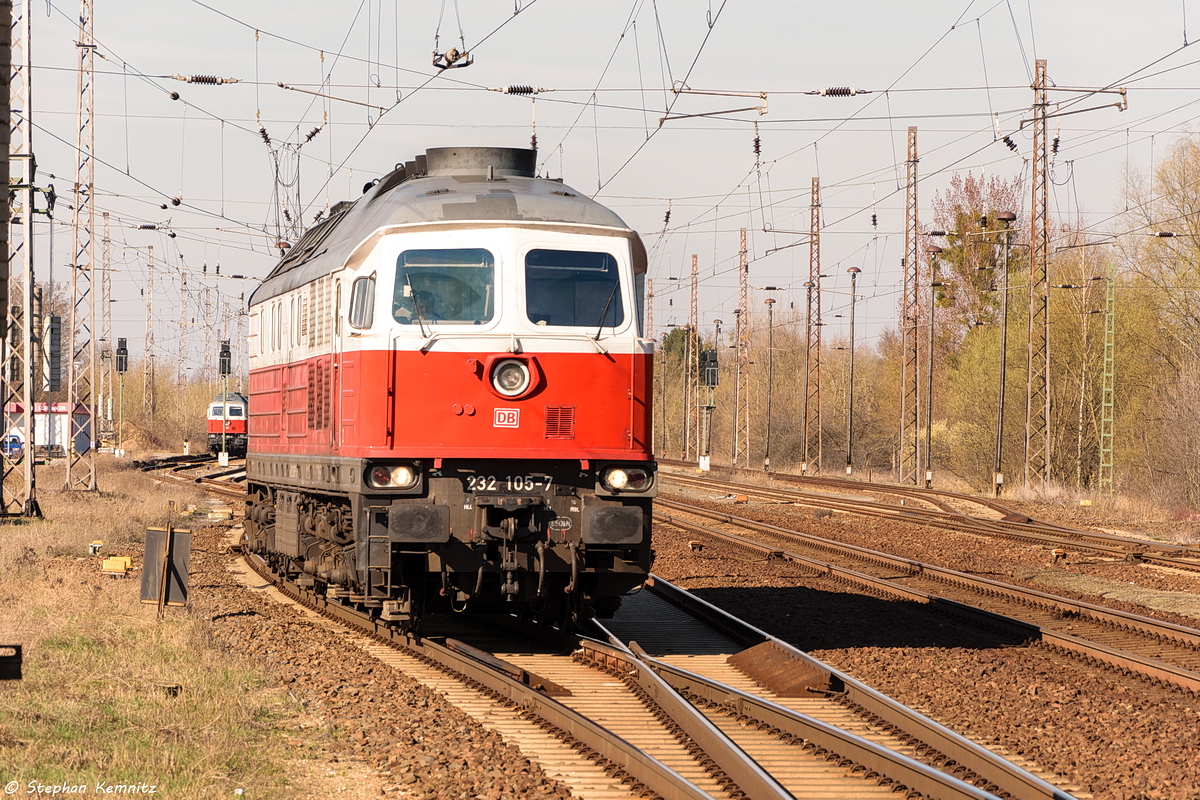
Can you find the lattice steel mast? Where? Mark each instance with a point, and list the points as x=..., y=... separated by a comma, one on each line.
x=81, y=345
x=104, y=377
x=181, y=346
x=909, y=424
x=812, y=376
x=741, y=383
x=649, y=333
x=19, y=485
x=1037, y=384
x=148, y=400
x=693, y=360
x=1108, y=389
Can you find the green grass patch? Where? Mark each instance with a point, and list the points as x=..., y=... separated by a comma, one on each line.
x=109, y=695
x=116, y=700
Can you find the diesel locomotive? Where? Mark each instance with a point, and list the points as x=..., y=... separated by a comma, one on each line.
x=227, y=424
x=449, y=398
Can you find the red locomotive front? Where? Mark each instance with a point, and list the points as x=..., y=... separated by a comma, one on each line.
x=449, y=397
x=227, y=424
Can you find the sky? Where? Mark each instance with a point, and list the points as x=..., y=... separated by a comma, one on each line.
x=960, y=71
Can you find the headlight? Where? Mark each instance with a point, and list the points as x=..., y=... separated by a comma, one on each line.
x=626, y=479
x=403, y=476
x=510, y=377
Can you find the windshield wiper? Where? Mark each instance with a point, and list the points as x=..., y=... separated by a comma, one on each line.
x=416, y=306
x=604, y=313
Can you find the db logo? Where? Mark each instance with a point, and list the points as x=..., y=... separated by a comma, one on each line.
x=507, y=418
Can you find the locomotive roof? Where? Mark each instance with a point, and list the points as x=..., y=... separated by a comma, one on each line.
x=229, y=397
x=464, y=186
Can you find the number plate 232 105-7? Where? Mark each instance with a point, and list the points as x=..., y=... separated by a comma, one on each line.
x=508, y=483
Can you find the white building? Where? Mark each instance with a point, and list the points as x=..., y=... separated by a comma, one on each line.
x=52, y=427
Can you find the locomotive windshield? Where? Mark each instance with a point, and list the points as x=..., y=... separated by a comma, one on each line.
x=444, y=286
x=567, y=287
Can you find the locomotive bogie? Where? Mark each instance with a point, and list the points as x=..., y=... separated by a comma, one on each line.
x=464, y=533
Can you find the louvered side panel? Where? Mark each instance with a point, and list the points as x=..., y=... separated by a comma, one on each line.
x=560, y=422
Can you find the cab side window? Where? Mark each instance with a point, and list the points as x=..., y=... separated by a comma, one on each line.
x=362, y=303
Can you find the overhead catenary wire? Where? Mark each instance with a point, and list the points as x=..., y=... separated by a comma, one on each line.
x=671, y=105
x=717, y=212
x=520, y=9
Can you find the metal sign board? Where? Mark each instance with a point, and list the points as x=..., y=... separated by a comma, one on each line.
x=10, y=662
x=168, y=552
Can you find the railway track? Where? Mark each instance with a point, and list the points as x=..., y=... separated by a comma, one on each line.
x=226, y=482
x=761, y=692
x=747, y=717
x=1160, y=652
x=703, y=668
x=1013, y=525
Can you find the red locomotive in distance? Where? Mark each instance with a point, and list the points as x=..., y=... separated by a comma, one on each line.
x=227, y=424
x=450, y=397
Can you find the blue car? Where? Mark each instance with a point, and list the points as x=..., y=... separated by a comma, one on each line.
x=12, y=447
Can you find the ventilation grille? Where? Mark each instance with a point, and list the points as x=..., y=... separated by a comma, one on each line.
x=560, y=422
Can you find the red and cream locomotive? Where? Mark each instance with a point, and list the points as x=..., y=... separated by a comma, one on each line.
x=450, y=397
x=227, y=424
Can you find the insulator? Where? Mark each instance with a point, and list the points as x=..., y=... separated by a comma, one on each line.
x=533, y=142
x=263, y=133
x=209, y=80
x=757, y=146
x=147, y=227
x=1011, y=144
x=204, y=269
x=1054, y=146
x=874, y=220
x=519, y=89
x=667, y=218
x=218, y=269
x=312, y=134
x=287, y=215
x=840, y=91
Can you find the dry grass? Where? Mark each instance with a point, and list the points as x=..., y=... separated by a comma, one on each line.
x=109, y=694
